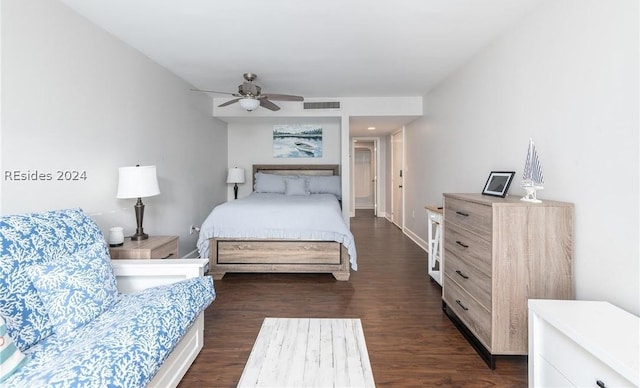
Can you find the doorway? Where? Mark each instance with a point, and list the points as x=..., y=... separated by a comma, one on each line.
x=397, y=196
x=364, y=178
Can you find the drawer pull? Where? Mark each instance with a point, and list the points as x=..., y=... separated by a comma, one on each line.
x=600, y=384
x=463, y=214
x=461, y=274
x=461, y=244
x=461, y=305
x=167, y=256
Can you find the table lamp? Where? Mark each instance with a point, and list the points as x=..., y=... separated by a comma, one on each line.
x=138, y=182
x=235, y=176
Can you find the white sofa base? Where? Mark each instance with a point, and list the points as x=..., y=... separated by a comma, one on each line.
x=136, y=275
x=182, y=356
x=139, y=274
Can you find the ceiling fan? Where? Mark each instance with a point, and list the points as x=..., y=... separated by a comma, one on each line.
x=250, y=95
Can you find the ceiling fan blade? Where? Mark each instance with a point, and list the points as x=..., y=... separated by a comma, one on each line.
x=230, y=102
x=213, y=91
x=268, y=104
x=283, y=97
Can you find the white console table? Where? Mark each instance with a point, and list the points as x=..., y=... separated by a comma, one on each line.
x=582, y=344
x=434, y=245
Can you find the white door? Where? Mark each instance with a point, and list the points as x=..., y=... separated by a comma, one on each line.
x=364, y=178
x=396, y=178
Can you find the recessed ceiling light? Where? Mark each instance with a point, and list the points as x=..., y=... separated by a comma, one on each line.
x=372, y=128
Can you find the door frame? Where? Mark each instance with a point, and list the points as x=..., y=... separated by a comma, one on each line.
x=392, y=180
x=377, y=188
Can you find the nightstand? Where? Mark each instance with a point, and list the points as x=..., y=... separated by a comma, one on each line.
x=155, y=247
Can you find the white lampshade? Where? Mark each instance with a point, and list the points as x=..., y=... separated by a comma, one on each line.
x=250, y=103
x=235, y=175
x=137, y=182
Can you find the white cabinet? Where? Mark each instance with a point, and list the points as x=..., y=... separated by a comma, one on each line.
x=434, y=248
x=582, y=344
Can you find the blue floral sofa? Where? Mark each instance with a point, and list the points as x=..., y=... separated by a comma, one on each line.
x=60, y=306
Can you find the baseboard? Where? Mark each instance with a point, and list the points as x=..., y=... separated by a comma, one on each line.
x=416, y=239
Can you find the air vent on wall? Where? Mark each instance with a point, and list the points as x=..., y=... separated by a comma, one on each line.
x=322, y=105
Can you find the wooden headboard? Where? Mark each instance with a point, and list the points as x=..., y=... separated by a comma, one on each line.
x=295, y=169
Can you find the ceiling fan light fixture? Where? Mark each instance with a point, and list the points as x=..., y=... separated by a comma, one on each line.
x=249, y=103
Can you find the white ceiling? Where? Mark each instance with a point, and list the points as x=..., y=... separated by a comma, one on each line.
x=326, y=48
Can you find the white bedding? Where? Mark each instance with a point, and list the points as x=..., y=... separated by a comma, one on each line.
x=270, y=216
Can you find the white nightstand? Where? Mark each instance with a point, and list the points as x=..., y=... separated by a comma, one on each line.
x=582, y=344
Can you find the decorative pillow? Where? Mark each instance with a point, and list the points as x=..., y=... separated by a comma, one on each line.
x=11, y=358
x=296, y=186
x=324, y=184
x=76, y=289
x=27, y=240
x=270, y=183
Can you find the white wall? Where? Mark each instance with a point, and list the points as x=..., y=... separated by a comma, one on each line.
x=251, y=142
x=349, y=107
x=76, y=98
x=566, y=76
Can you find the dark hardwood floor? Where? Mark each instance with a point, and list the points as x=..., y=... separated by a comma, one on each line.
x=410, y=340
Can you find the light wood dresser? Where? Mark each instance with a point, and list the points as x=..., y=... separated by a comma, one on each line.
x=500, y=252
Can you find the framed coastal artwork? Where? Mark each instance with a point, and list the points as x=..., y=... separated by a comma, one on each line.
x=297, y=141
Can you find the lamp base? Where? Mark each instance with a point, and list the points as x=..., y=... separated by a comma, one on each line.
x=139, y=236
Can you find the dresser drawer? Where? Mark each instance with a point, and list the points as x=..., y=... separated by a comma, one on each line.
x=474, y=281
x=469, y=247
x=155, y=247
x=578, y=365
x=166, y=251
x=474, y=316
x=550, y=377
x=468, y=215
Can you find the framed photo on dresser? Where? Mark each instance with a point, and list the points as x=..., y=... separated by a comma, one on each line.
x=498, y=183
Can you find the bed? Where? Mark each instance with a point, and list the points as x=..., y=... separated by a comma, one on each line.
x=291, y=223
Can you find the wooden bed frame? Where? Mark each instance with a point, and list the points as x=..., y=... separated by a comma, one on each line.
x=283, y=256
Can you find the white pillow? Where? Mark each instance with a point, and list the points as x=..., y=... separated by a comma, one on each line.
x=12, y=358
x=270, y=183
x=324, y=184
x=296, y=186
